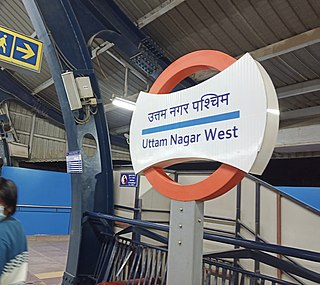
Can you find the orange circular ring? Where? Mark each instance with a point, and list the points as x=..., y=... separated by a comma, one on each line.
x=226, y=176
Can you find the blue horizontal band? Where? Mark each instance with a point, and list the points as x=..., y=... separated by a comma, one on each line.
x=194, y=122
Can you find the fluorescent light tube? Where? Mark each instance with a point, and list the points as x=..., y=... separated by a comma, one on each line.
x=125, y=104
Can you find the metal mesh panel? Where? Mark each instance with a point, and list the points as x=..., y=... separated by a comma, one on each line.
x=132, y=263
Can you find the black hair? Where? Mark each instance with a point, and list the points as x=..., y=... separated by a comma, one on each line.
x=8, y=195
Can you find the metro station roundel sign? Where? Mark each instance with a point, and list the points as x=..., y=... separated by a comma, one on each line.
x=232, y=118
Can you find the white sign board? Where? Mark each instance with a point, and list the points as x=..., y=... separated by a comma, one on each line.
x=74, y=162
x=232, y=118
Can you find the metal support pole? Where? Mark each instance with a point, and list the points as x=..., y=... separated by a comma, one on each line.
x=238, y=224
x=137, y=209
x=185, y=243
x=279, y=226
x=4, y=152
x=92, y=190
x=238, y=211
x=257, y=223
x=126, y=78
x=6, y=109
x=32, y=134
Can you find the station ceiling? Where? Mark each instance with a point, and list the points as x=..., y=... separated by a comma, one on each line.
x=283, y=35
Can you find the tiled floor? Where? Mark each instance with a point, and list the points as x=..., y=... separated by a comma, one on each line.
x=47, y=259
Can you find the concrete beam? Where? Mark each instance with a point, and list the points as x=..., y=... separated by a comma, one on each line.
x=298, y=89
x=282, y=92
x=300, y=113
x=33, y=35
x=288, y=45
x=42, y=86
x=299, y=139
x=157, y=12
x=120, y=130
x=279, y=48
x=296, y=42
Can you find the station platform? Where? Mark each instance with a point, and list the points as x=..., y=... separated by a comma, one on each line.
x=47, y=259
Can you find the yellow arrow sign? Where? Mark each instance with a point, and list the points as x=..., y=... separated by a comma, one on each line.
x=19, y=50
x=27, y=50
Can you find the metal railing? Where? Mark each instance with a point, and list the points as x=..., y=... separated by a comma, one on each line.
x=218, y=269
x=223, y=272
x=142, y=262
x=137, y=263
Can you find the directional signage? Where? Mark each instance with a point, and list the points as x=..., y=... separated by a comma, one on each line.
x=19, y=50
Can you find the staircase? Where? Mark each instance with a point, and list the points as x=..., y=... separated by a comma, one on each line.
x=254, y=234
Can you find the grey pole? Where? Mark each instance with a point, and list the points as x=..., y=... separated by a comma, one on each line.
x=185, y=243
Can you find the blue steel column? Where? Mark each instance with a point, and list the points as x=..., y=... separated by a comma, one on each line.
x=65, y=48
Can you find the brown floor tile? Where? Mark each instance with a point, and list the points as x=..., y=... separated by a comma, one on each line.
x=47, y=254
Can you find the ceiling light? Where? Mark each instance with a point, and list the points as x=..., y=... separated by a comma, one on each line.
x=123, y=103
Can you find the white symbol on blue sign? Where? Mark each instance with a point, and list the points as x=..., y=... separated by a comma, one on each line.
x=20, y=50
x=25, y=51
x=5, y=44
x=128, y=180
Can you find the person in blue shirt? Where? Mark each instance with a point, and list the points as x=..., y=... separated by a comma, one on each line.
x=13, y=242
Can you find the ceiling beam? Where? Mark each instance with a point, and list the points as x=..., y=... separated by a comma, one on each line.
x=120, y=130
x=104, y=47
x=157, y=12
x=299, y=139
x=143, y=21
x=300, y=113
x=298, y=88
x=42, y=86
x=279, y=48
x=33, y=35
x=287, y=45
x=95, y=52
